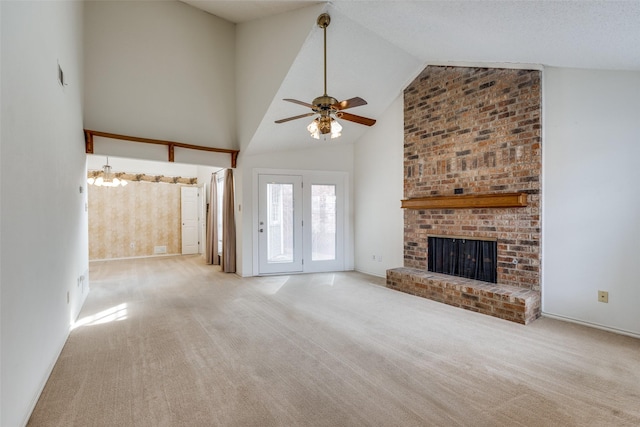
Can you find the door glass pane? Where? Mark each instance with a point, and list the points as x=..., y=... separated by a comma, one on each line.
x=323, y=222
x=279, y=223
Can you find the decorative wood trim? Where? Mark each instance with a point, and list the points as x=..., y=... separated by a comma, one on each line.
x=88, y=142
x=468, y=201
x=141, y=177
x=89, y=134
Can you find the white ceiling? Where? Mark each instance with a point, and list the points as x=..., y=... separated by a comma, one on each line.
x=238, y=11
x=375, y=48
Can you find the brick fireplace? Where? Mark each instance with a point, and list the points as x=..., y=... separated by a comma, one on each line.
x=472, y=132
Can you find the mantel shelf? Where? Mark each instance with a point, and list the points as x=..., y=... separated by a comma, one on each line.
x=468, y=201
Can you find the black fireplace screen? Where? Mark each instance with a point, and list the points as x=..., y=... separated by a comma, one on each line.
x=474, y=259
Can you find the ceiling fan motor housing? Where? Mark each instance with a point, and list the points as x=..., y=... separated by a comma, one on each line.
x=324, y=103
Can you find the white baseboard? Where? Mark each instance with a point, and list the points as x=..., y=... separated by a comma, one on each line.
x=591, y=325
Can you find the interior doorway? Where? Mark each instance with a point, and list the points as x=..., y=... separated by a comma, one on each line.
x=144, y=218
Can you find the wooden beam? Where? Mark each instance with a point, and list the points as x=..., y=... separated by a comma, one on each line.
x=172, y=153
x=468, y=201
x=89, y=134
x=88, y=142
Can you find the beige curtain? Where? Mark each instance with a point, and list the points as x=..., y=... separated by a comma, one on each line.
x=212, y=222
x=228, y=225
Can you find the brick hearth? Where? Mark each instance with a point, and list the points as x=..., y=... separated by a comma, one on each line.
x=475, y=129
x=506, y=302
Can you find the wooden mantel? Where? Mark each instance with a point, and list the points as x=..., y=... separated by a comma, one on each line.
x=468, y=201
x=171, y=145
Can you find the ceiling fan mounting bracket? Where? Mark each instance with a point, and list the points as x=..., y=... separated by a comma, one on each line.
x=324, y=20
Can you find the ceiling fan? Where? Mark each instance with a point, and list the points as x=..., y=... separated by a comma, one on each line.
x=327, y=107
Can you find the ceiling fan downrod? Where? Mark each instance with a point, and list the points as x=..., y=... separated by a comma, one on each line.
x=323, y=22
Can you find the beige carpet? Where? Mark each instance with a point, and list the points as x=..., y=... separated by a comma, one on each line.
x=173, y=342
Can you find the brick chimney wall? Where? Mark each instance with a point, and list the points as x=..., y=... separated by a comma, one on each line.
x=477, y=129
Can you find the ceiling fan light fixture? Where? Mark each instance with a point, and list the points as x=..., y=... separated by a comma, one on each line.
x=314, y=130
x=336, y=129
x=325, y=125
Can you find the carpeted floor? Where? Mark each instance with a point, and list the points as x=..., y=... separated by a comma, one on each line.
x=173, y=342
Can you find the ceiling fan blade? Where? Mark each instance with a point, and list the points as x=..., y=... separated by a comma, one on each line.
x=295, y=101
x=356, y=119
x=294, y=117
x=350, y=103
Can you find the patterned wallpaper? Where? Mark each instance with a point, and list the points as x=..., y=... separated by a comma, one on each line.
x=130, y=221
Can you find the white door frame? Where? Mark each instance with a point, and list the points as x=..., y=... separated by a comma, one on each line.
x=202, y=217
x=346, y=247
x=189, y=222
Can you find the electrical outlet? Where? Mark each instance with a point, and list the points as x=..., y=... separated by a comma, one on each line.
x=603, y=296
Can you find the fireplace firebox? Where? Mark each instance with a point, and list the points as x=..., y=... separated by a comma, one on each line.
x=463, y=257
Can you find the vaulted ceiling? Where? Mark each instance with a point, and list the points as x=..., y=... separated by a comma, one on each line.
x=375, y=48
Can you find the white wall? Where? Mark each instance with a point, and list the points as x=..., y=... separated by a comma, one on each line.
x=119, y=164
x=330, y=156
x=43, y=220
x=379, y=184
x=591, y=202
x=266, y=49
x=161, y=70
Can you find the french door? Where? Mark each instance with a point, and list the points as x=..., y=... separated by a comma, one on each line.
x=280, y=223
x=300, y=223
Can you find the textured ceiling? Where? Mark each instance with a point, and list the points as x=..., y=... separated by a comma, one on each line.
x=590, y=34
x=381, y=45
